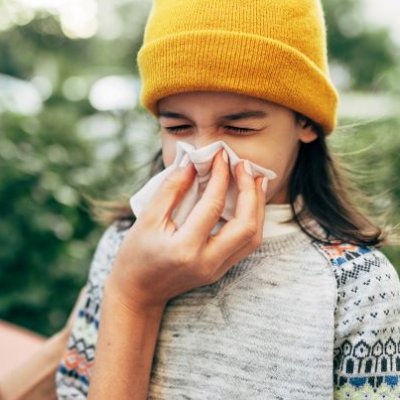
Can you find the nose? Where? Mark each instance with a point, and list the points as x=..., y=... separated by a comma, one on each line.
x=204, y=137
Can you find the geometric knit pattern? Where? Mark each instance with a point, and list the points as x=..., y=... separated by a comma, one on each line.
x=78, y=359
x=295, y=320
x=367, y=323
x=77, y=362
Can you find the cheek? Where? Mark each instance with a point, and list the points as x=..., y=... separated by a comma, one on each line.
x=279, y=157
x=168, y=150
x=277, y=164
x=282, y=163
x=270, y=153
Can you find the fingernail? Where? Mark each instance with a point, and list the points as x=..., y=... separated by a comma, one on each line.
x=247, y=167
x=225, y=156
x=264, y=185
x=184, y=162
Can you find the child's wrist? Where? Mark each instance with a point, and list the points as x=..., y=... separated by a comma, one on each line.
x=134, y=302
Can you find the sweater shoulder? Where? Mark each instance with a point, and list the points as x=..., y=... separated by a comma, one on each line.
x=340, y=253
x=351, y=263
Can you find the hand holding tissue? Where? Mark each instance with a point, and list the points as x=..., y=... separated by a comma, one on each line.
x=202, y=160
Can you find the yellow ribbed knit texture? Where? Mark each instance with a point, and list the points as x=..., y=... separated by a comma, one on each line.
x=271, y=49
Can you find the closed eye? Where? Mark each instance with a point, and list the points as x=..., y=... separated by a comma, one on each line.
x=240, y=130
x=176, y=129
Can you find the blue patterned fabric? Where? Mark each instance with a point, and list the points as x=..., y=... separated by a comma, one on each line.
x=367, y=323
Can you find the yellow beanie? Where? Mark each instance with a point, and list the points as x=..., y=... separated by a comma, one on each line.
x=271, y=49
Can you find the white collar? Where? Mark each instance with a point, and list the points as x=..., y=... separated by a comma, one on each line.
x=276, y=220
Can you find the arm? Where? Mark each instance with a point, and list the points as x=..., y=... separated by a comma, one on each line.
x=127, y=340
x=35, y=378
x=157, y=262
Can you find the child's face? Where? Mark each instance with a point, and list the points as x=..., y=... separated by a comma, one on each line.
x=271, y=138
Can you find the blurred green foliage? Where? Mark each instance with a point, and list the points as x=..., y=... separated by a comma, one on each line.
x=367, y=52
x=74, y=143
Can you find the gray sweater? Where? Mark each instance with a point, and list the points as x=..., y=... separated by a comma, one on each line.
x=294, y=320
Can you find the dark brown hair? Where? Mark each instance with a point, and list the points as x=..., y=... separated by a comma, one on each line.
x=318, y=178
x=329, y=197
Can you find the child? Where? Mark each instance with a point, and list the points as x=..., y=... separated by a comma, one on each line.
x=291, y=298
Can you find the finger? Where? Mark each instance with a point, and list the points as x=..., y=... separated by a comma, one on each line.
x=261, y=201
x=209, y=208
x=247, y=248
x=170, y=193
x=246, y=206
x=237, y=232
x=253, y=244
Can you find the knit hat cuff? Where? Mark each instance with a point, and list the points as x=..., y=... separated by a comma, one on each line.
x=217, y=60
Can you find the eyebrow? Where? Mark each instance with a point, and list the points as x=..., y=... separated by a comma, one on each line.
x=231, y=117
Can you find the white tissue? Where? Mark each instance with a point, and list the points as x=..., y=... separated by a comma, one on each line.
x=202, y=159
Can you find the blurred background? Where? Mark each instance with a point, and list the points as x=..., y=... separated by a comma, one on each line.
x=71, y=127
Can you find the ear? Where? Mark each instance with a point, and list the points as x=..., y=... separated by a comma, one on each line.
x=307, y=133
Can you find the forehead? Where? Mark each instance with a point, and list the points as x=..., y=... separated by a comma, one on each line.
x=223, y=100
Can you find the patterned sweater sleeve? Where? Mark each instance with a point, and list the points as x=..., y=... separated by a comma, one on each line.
x=73, y=375
x=367, y=324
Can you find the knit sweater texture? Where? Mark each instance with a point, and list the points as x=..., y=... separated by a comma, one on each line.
x=295, y=320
